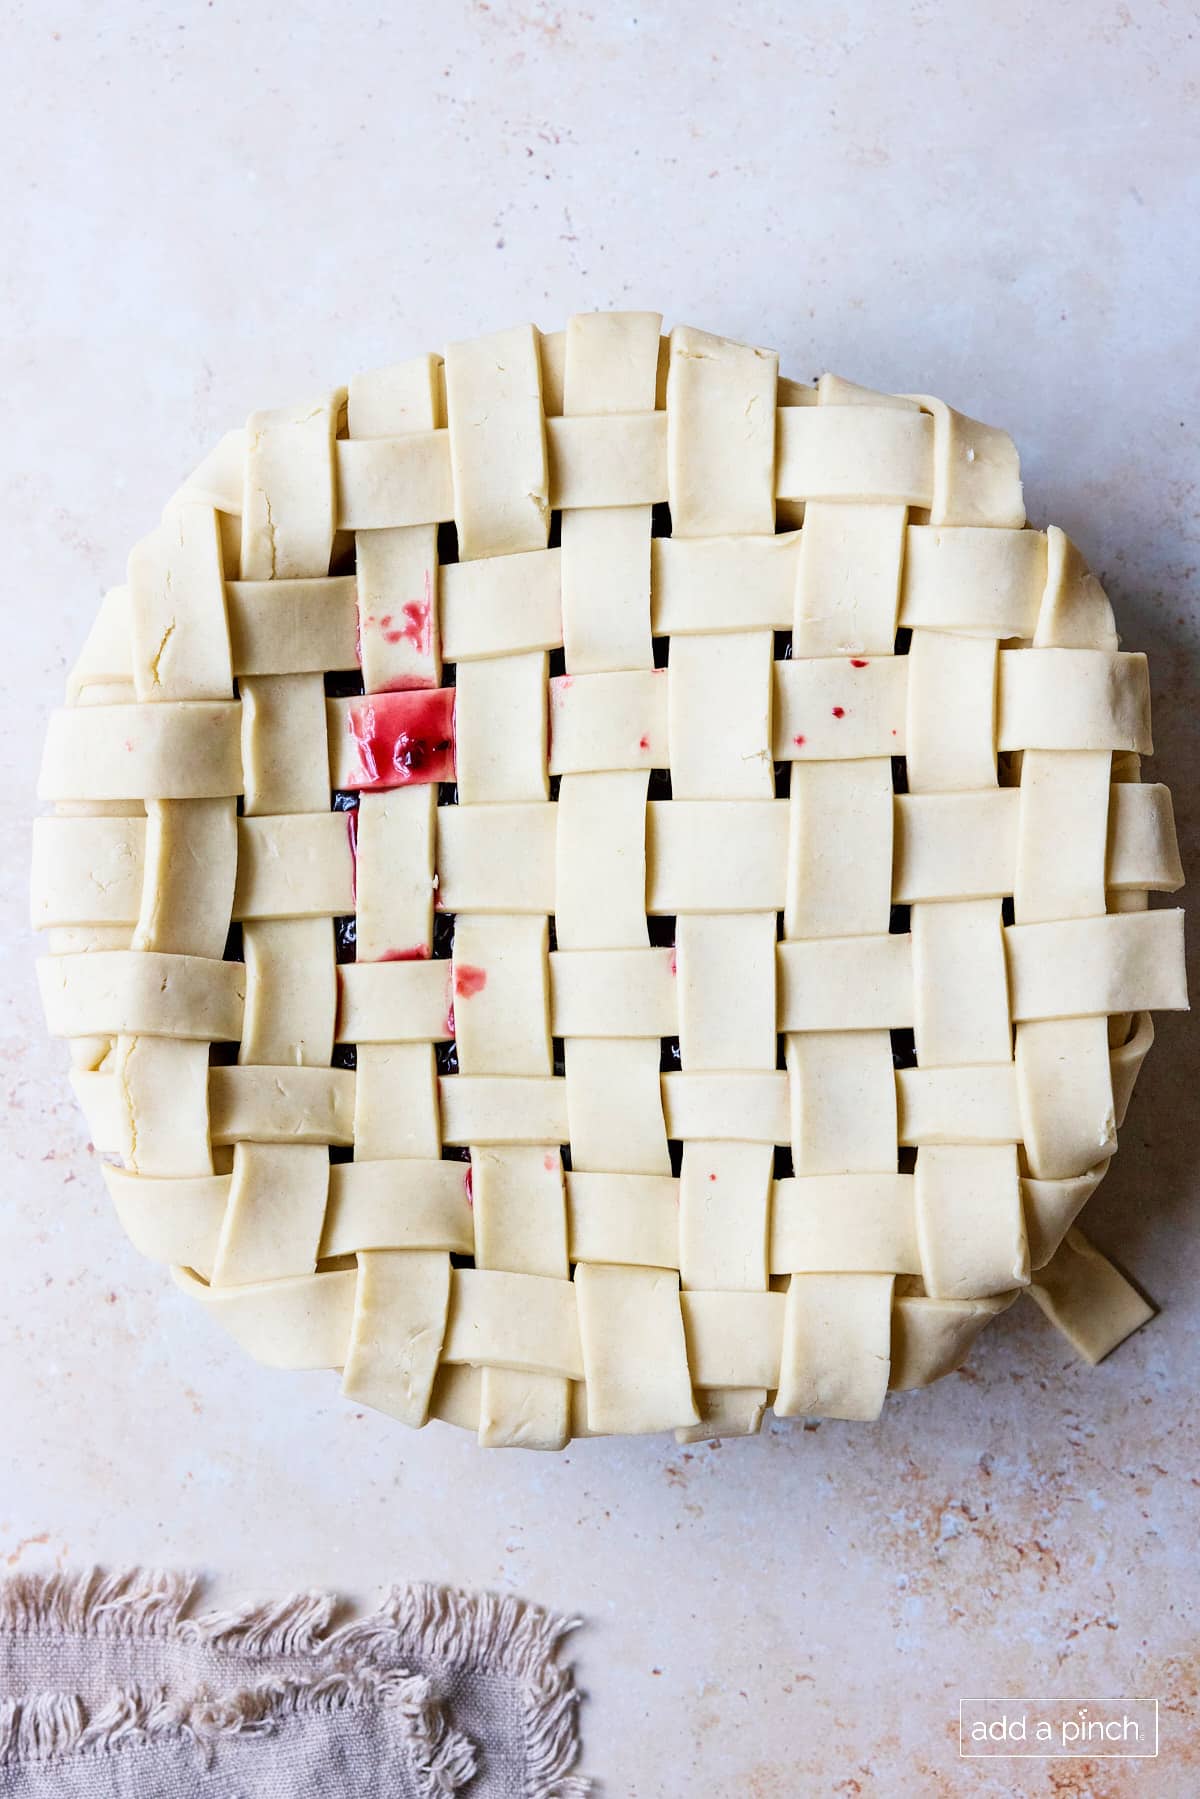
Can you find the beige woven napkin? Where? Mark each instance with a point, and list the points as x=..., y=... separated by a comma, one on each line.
x=119, y=1687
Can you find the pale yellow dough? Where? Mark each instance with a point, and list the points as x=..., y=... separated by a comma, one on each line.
x=673, y=1171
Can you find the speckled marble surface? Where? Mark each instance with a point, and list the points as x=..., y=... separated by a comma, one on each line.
x=213, y=207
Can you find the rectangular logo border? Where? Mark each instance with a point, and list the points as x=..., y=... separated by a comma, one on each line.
x=1056, y=1755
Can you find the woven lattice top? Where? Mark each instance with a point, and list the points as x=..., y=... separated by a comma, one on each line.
x=594, y=888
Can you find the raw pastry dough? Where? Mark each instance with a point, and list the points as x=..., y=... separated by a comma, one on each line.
x=677, y=964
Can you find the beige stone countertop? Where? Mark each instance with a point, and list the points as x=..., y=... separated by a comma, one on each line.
x=215, y=207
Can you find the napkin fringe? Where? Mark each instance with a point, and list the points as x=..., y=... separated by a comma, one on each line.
x=151, y=1603
x=478, y=1631
x=471, y=1630
x=142, y=1602
x=297, y=1625
x=44, y=1726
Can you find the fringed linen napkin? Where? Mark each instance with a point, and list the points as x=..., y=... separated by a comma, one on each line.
x=118, y=1687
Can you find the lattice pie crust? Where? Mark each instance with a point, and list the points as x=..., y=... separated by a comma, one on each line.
x=755, y=891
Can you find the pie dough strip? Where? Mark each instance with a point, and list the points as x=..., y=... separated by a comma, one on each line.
x=613, y=998
x=860, y=453
x=178, y=627
x=300, y=1322
x=973, y=580
x=848, y=581
x=498, y=444
x=520, y=1227
x=1064, y=1070
x=183, y=750
x=836, y=1356
x=394, y=1002
x=844, y=984
x=398, y=636
x=933, y=1337
x=142, y=992
x=293, y=627
x=501, y=1010
x=610, y=367
x=281, y=1105
x=396, y=1107
x=1089, y=1300
x=400, y=1320
x=734, y=1339
x=724, y=979
x=818, y=1224
x=298, y=866
x=500, y=725
x=523, y=1322
x=728, y=1108
x=1065, y=1089
x=876, y=451
x=398, y=1204
x=394, y=874
x=837, y=584
x=612, y=721
x=725, y=1192
x=1073, y=699
x=1081, y=967
x=501, y=996
x=273, y=1224
x=970, y=1226
x=842, y=846
x=1096, y=700
x=634, y=1350
x=502, y=605
x=498, y=858
x=957, y=1105
x=102, y=673
x=291, y=993
x=718, y=585
x=179, y=652
x=593, y=877
x=617, y=993
x=720, y=436
x=718, y=698
x=88, y=871
x=840, y=716
x=175, y=1220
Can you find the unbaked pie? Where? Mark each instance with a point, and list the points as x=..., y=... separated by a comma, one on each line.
x=596, y=889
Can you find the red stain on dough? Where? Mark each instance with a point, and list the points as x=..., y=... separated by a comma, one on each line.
x=402, y=738
x=468, y=980
x=858, y=662
x=799, y=742
x=643, y=743
x=469, y=1184
x=549, y=1161
x=417, y=628
x=352, y=834
x=839, y=712
x=416, y=952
